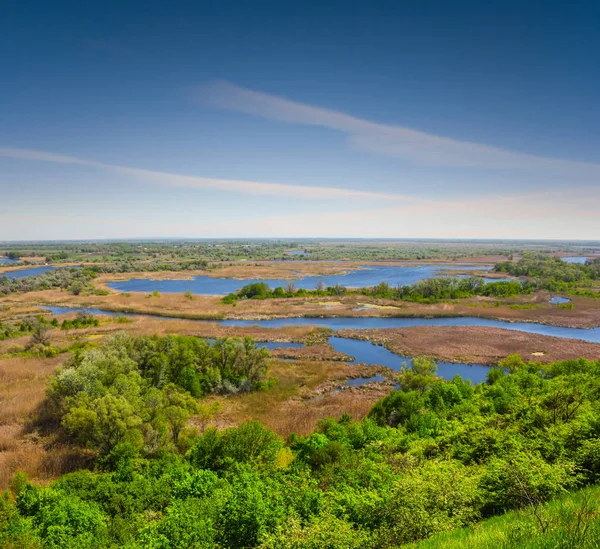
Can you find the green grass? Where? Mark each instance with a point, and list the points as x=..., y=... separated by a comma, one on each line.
x=571, y=522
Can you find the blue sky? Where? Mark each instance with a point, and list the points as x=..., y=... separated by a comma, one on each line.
x=364, y=119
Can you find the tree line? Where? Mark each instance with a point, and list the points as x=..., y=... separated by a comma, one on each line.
x=552, y=273
x=425, y=291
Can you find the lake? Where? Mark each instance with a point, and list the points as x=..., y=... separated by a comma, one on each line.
x=32, y=271
x=7, y=261
x=371, y=276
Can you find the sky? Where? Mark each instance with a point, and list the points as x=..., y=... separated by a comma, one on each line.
x=420, y=119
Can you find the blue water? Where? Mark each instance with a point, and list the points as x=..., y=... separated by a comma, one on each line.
x=279, y=345
x=21, y=273
x=7, y=261
x=558, y=300
x=574, y=259
x=359, y=381
x=90, y=310
x=366, y=352
x=298, y=252
x=343, y=323
x=270, y=345
x=371, y=276
x=592, y=335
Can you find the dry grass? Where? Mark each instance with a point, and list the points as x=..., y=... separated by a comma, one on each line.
x=22, y=386
x=291, y=405
x=40, y=464
x=302, y=417
x=476, y=344
x=22, y=391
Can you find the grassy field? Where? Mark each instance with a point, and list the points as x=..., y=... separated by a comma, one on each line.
x=571, y=522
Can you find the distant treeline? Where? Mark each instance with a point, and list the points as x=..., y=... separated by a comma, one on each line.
x=78, y=279
x=252, y=250
x=552, y=273
x=150, y=266
x=66, y=278
x=425, y=291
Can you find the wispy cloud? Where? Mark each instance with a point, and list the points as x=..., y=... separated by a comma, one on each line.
x=194, y=182
x=414, y=146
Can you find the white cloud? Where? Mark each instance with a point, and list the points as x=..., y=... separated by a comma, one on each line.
x=417, y=147
x=230, y=185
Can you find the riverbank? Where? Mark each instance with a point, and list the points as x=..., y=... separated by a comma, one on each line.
x=583, y=312
x=475, y=345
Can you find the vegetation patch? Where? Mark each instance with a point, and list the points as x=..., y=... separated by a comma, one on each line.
x=432, y=457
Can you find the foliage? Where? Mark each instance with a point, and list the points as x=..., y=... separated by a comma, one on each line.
x=432, y=461
x=141, y=390
x=429, y=290
x=552, y=273
x=65, y=278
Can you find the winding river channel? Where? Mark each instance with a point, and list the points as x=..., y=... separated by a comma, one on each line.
x=362, y=323
x=366, y=352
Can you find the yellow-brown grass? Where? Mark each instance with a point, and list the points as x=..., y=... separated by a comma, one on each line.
x=291, y=406
x=22, y=390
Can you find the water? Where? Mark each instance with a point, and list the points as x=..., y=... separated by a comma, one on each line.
x=32, y=271
x=7, y=261
x=89, y=310
x=298, y=252
x=366, y=352
x=342, y=323
x=574, y=259
x=362, y=323
x=371, y=276
x=559, y=300
x=270, y=345
x=359, y=381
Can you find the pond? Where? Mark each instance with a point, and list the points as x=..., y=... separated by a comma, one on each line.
x=7, y=261
x=32, y=271
x=557, y=300
x=367, y=276
x=366, y=352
